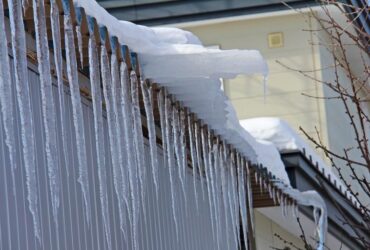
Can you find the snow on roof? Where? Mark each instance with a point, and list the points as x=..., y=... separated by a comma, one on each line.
x=285, y=138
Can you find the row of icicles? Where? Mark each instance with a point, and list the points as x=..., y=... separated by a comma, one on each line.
x=184, y=139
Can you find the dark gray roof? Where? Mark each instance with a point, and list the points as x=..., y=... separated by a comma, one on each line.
x=157, y=12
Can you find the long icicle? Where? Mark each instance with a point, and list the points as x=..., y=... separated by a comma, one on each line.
x=112, y=130
x=58, y=61
x=170, y=153
x=242, y=198
x=208, y=179
x=138, y=140
x=193, y=160
x=7, y=109
x=24, y=103
x=213, y=168
x=177, y=145
x=161, y=109
x=129, y=142
x=198, y=149
x=184, y=158
x=121, y=150
x=250, y=198
x=6, y=98
x=230, y=194
x=78, y=122
x=235, y=196
x=48, y=107
x=224, y=191
x=98, y=128
x=148, y=104
x=79, y=35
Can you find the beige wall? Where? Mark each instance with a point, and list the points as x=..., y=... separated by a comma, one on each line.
x=270, y=222
x=265, y=234
x=284, y=96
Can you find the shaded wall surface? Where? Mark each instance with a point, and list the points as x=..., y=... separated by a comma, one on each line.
x=16, y=226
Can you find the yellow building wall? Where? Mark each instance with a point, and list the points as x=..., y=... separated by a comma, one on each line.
x=284, y=97
x=265, y=231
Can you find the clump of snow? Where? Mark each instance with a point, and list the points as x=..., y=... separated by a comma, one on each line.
x=175, y=35
x=278, y=132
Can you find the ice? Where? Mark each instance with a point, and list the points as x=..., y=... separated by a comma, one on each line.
x=170, y=163
x=57, y=49
x=138, y=136
x=225, y=190
x=80, y=46
x=233, y=194
x=18, y=40
x=112, y=129
x=198, y=149
x=122, y=188
x=129, y=142
x=178, y=148
x=6, y=97
x=193, y=159
x=205, y=153
x=215, y=195
x=242, y=196
x=98, y=129
x=148, y=103
x=250, y=199
x=161, y=109
x=78, y=15
x=183, y=152
x=48, y=107
x=76, y=109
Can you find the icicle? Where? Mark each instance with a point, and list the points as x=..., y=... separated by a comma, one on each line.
x=184, y=161
x=48, y=108
x=129, y=142
x=269, y=190
x=216, y=194
x=121, y=150
x=77, y=109
x=178, y=151
x=242, y=201
x=161, y=109
x=79, y=35
x=98, y=128
x=25, y=5
x=138, y=136
x=199, y=155
x=57, y=48
x=112, y=128
x=24, y=103
x=256, y=177
x=282, y=205
x=274, y=195
x=169, y=141
x=232, y=201
x=224, y=192
x=6, y=97
x=261, y=184
x=148, y=103
x=235, y=196
x=264, y=88
x=208, y=180
x=193, y=160
x=250, y=199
